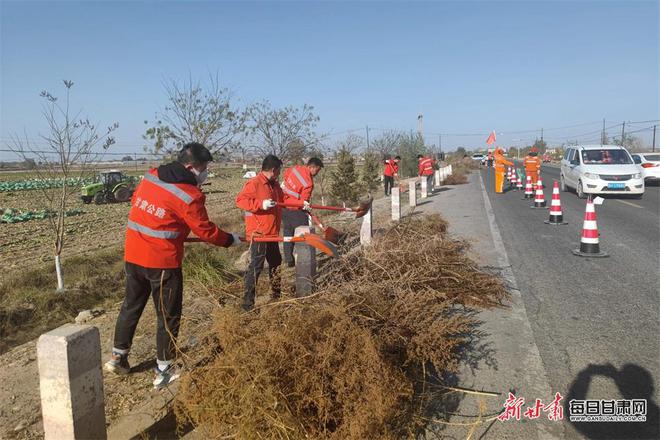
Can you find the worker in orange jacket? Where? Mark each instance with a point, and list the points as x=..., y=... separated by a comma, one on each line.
x=500, y=168
x=532, y=164
x=298, y=186
x=390, y=172
x=166, y=206
x=259, y=199
x=425, y=169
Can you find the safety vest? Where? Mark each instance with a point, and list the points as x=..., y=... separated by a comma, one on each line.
x=426, y=166
x=391, y=168
x=161, y=217
x=298, y=183
x=532, y=163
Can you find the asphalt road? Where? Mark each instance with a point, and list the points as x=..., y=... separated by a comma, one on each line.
x=596, y=322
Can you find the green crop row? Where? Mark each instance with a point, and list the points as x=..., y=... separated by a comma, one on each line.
x=15, y=216
x=30, y=184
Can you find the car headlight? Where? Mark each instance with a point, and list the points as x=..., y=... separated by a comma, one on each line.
x=637, y=176
x=591, y=176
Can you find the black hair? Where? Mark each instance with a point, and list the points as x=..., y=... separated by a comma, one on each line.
x=419, y=156
x=194, y=153
x=315, y=161
x=270, y=163
x=398, y=157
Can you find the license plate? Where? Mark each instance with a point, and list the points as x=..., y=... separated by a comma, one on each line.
x=616, y=185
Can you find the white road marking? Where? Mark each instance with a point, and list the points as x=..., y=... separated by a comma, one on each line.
x=631, y=204
x=531, y=357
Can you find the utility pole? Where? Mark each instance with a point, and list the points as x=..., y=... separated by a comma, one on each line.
x=623, y=131
x=602, y=136
x=368, y=147
x=654, y=138
x=541, y=135
x=440, y=143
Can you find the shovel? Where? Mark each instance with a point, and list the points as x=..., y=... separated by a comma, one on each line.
x=359, y=210
x=310, y=239
x=329, y=233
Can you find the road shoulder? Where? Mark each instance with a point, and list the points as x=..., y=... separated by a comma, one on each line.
x=505, y=356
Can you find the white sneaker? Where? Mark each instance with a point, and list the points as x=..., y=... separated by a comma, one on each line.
x=165, y=377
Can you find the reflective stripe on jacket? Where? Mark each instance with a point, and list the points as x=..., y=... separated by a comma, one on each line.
x=161, y=217
x=425, y=167
x=501, y=162
x=297, y=185
x=391, y=168
x=532, y=164
x=250, y=200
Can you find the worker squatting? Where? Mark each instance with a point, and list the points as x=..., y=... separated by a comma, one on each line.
x=167, y=206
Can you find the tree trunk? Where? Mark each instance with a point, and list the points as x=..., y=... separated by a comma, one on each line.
x=58, y=271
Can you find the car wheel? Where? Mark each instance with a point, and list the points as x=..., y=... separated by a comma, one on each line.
x=580, y=191
x=562, y=183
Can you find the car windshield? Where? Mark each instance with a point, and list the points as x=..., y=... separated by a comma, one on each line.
x=652, y=157
x=605, y=157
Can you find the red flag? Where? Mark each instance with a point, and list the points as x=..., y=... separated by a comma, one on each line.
x=491, y=138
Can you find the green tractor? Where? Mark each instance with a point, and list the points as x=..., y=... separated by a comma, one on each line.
x=111, y=186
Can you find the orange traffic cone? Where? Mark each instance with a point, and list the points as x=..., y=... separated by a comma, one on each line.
x=539, y=198
x=539, y=182
x=508, y=175
x=556, y=216
x=514, y=179
x=589, y=246
x=519, y=185
x=529, y=191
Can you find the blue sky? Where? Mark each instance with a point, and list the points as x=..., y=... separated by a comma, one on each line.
x=469, y=67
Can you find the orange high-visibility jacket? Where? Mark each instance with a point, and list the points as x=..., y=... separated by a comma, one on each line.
x=250, y=199
x=391, y=168
x=161, y=217
x=501, y=162
x=425, y=167
x=298, y=184
x=532, y=164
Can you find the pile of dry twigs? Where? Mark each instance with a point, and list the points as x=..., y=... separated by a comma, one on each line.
x=348, y=361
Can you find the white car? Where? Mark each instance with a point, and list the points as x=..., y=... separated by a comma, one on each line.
x=481, y=158
x=649, y=165
x=600, y=169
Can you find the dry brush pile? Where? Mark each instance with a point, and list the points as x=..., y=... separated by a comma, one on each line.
x=351, y=361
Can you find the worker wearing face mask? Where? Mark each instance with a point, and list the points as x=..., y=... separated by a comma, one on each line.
x=167, y=205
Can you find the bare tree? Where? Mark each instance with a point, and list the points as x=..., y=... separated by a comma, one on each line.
x=351, y=143
x=196, y=112
x=287, y=132
x=387, y=143
x=65, y=152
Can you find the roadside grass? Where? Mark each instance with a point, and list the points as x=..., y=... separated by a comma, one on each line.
x=30, y=305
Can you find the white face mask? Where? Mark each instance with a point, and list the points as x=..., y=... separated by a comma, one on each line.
x=200, y=176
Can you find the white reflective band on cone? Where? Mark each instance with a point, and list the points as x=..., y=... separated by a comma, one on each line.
x=590, y=225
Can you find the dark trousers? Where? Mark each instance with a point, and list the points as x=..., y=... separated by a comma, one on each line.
x=429, y=183
x=291, y=219
x=165, y=286
x=388, y=181
x=260, y=252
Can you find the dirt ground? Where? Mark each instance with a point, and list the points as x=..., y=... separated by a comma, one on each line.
x=26, y=245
